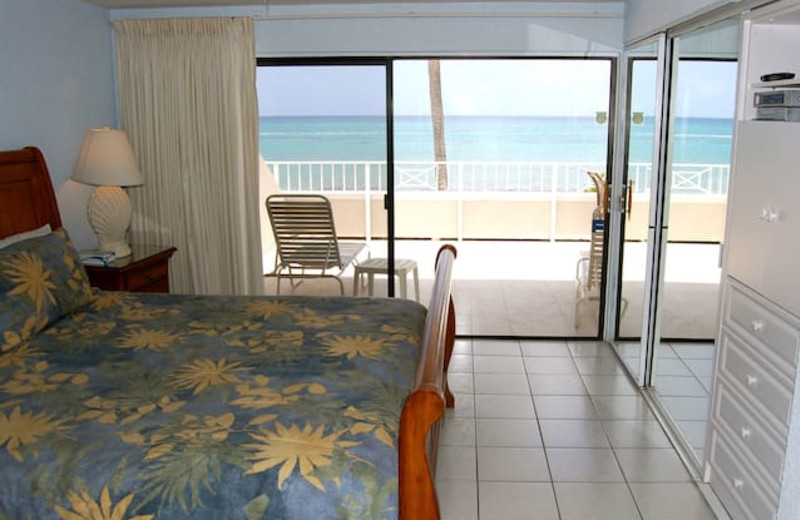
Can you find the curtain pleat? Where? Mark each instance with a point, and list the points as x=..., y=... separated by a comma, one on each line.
x=188, y=103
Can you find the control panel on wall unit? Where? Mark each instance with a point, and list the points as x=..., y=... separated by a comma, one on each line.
x=778, y=105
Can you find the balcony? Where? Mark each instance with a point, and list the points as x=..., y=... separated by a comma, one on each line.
x=520, y=229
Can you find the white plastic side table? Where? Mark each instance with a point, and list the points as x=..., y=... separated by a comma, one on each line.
x=373, y=266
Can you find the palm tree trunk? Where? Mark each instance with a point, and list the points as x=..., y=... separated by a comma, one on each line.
x=437, y=118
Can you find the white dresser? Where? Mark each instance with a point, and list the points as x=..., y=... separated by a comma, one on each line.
x=753, y=459
x=753, y=402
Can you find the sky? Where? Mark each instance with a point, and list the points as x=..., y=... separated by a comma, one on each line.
x=704, y=88
x=479, y=87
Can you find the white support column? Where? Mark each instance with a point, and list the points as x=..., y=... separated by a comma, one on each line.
x=460, y=203
x=368, y=203
x=553, y=203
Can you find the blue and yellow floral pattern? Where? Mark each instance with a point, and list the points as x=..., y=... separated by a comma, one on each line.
x=173, y=407
x=41, y=280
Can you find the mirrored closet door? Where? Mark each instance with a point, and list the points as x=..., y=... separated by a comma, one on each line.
x=700, y=139
x=673, y=217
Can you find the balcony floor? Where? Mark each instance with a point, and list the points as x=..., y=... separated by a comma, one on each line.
x=516, y=288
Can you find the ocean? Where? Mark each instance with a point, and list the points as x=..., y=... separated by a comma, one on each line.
x=490, y=139
x=559, y=143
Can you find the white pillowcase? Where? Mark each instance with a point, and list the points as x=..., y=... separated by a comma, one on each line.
x=25, y=235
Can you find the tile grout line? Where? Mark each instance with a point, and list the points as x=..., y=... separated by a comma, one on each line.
x=475, y=415
x=694, y=374
x=541, y=433
x=610, y=445
x=621, y=469
x=672, y=448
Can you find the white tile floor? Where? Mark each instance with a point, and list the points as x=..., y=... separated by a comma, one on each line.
x=686, y=395
x=554, y=430
x=683, y=385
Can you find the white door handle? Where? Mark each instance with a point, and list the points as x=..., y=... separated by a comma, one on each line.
x=773, y=215
x=768, y=215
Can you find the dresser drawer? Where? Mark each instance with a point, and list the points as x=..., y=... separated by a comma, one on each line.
x=776, y=331
x=737, y=486
x=765, y=388
x=741, y=421
x=156, y=274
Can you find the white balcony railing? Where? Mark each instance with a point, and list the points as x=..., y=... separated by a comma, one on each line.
x=516, y=177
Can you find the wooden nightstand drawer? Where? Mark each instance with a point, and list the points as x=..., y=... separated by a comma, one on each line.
x=146, y=270
x=151, y=279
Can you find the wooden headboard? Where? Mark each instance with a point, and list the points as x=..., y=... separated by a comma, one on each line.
x=27, y=200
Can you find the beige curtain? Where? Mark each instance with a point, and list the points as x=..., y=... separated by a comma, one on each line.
x=188, y=102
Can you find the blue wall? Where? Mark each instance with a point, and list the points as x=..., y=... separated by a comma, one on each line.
x=56, y=80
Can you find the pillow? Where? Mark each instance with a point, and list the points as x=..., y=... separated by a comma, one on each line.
x=43, y=279
x=19, y=237
x=18, y=321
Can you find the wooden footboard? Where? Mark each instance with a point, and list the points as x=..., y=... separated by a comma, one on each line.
x=424, y=407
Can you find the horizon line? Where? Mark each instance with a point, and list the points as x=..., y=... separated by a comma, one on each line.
x=473, y=115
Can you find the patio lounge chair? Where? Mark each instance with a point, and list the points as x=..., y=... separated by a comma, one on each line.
x=589, y=270
x=305, y=236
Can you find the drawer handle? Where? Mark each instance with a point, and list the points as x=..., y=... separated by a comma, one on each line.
x=773, y=215
x=738, y=483
x=757, y=325
x=752, y=380
x=746, y=432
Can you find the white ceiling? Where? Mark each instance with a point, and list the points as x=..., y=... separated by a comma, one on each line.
x=206, y=3
x=173, y=3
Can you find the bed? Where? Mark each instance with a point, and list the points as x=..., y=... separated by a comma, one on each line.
x=132, y=406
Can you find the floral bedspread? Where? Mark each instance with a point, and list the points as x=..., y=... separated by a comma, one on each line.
x=170, y=407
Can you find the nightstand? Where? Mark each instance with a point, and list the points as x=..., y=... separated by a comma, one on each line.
x=146, y=270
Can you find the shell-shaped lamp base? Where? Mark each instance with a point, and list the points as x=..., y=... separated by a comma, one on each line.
x=110, y=215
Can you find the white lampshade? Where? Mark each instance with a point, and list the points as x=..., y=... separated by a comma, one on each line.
x=106, y=159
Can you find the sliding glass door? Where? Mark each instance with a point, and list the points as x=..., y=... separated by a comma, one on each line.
x=323, y=131
x=698, y=164
x=507, y=158
x=673, y=222
x=496, y=154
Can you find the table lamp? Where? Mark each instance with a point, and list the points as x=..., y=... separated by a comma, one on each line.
x=106, y=160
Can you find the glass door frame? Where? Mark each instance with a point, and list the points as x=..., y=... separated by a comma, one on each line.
x=659, y=215
x=654, y=258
